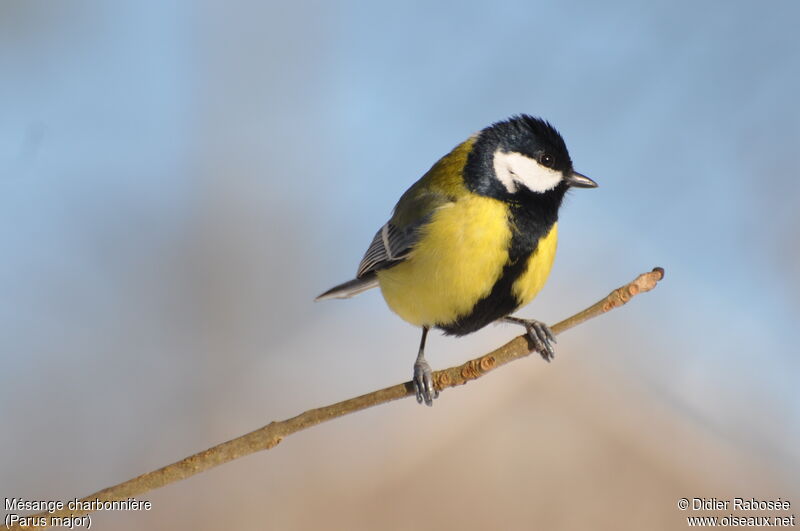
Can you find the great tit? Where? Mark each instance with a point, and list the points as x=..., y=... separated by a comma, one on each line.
x=474, y=239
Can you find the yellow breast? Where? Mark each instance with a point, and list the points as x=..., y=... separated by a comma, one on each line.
x=459, y=257
x=535, y=275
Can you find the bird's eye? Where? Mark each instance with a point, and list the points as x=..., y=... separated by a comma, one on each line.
x=547, y=160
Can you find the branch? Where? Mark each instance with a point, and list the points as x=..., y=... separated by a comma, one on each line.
x=273, y=433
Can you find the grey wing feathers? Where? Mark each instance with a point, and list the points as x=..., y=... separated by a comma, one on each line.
x=392, y=243
x=389, y=245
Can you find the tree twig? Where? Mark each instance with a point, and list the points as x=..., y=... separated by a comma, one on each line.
x=273, y=433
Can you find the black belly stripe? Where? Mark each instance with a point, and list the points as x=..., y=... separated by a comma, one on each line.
x=499, y=303
x=529, y=223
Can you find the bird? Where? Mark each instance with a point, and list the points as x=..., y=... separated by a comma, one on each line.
x=474, y=239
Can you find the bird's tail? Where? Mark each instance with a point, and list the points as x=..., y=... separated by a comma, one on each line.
x=350, y=288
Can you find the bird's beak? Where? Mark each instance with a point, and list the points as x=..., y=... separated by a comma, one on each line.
x=579, y=180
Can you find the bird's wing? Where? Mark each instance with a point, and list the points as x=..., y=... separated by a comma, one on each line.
x=394, y=241
x=390, y=245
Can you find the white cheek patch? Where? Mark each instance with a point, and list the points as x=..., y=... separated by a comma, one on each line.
x=515, y=169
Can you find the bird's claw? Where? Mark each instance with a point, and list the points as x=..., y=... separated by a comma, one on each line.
x=540, y=335
x=542, y=338
x=423, y=382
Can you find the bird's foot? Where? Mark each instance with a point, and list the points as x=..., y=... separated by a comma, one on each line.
x=540, y=335
x=423, y=382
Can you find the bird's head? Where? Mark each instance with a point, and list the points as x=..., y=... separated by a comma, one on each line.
x=519, y=157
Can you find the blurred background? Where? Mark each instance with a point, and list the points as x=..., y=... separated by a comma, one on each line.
x=178, y=180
